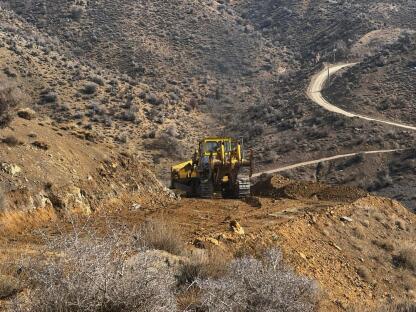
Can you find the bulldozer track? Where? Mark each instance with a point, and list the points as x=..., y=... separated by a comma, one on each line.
x=243, y=187
x=206, y=189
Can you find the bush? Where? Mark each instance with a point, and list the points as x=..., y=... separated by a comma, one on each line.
x=11, y=140
x=98, y=275
x=202, y=266
x=9, y=100
x=26, y=113
x=406, y=258
x=161, y=236
x=49, y=97
x=254, y=285
x=90, y=88
x=9, y=286
x=399, y=307
x=76, y=12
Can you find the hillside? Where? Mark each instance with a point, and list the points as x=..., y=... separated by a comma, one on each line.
x=99, y=98
x=318, y=228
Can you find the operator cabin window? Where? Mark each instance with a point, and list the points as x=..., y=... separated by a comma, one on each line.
x=211, y=147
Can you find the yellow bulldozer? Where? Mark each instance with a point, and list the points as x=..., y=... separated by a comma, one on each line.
x=218, y=165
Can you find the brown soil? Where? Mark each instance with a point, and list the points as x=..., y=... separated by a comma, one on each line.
x=315, y=239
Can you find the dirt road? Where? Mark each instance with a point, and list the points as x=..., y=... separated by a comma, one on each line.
x=314, y=93
x=314, y=162
x=315, y=87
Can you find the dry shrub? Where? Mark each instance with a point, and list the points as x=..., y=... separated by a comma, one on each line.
x=254, y=285
x=386, y=245
x=162, y=236
x=364, y=273
x=406, y=258
x=210, y=264
x=11, y=140
x=2, y=200
x=9, y=286
x=26, y=113
x=98, y=274
x=10, y=97
x=358, y=232
x=399, y=307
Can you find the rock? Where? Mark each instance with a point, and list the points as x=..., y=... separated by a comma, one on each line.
x=236, y=227
x=202, y=242
x=336, y=246
x=69, y=198
x=11, y=169
x=303, y=256
x=41, y=145
x=135, y=207
x=345, y=219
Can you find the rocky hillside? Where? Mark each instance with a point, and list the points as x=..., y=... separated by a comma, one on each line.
x=232, y=62
x=349, y=251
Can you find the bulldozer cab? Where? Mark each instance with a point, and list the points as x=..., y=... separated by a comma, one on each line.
x=212, y=146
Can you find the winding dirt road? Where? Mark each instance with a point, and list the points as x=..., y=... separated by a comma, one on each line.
x=314, y=92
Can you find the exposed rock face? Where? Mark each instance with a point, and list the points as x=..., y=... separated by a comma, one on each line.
x=69, y=198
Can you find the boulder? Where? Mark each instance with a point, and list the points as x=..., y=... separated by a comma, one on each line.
x=236, y=227
x=68, y=198
x=11, y=169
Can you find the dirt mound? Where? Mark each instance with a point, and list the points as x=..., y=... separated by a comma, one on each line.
x=279, y=187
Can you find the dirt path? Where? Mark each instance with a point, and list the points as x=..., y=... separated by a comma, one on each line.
x=314, y=93
x=314, y=162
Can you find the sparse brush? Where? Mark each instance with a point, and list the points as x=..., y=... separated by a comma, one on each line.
x=98, y=274
x=161, y=236
x=259, y=285
x=11, y=140
x=8, y=286
x=10, y=98
x=90, y=88
x=406, y=258
x=210, y=264
x=398, y=307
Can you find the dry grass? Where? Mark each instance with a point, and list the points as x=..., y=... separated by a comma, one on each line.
x=399, y=307
x=11, y=140
x=209, y=264
x=406, y=258
x=384, y=244
x=162, y=236
x=12, y=222
x=259, y=285
x=98, y=274
x=10, y=98
x=9, y=286
x=364, y=273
